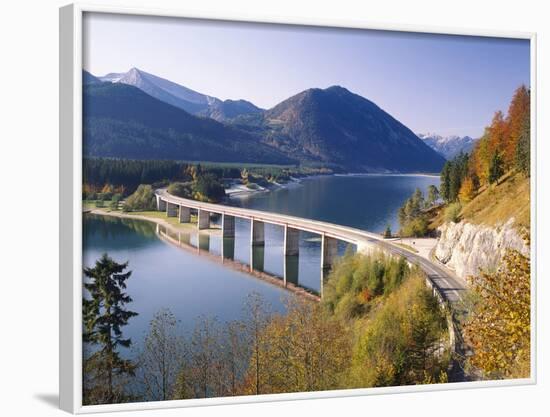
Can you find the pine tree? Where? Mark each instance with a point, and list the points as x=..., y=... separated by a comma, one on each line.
x=433, y=195
x=446, y=181
x=103, y=316
x=523, y=149
x=496, y=169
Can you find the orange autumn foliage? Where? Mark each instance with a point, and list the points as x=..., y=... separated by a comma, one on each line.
x=467, y=190
x=518, y=110
x=501, y=136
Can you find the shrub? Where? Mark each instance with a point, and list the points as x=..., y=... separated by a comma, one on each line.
x=357, y=279
x=208, y=187
x=142, y=199
x=503, y=300
x=417, y=227
x=114, y=201
x=180, y=189
x=452, y=212
x=401, y=343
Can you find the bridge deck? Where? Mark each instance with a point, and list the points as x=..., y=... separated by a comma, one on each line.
x=449, y=286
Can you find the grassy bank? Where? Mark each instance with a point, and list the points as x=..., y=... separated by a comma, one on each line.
x=500, y=202
x=494, y=205
x=154, y=216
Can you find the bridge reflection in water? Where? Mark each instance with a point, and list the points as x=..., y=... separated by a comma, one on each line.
x=292, y=227
x=216, y=248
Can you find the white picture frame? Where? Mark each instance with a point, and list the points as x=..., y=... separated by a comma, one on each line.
x=70, y=215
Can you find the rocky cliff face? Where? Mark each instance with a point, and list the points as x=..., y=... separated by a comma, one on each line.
x=466, y=248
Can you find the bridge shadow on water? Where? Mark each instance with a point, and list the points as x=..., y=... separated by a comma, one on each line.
x=201, y=244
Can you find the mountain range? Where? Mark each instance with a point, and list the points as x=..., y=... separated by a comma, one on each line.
x=448, y=146
x=141, y=116
x=334, y=125
x=183, y=97
x=121, y=121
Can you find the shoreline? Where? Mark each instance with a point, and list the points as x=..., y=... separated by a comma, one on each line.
x=385, y=174
x=244, y=192
x=185, y=227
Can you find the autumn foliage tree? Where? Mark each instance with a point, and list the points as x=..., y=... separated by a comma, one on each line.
x=505, y=142
x=159, y=358
x=499, y=327
x=504, y=146
x=467, y=190
x=303, y=350
x=518, y=111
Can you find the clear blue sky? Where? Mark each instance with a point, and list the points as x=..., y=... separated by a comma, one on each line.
x=431, y=83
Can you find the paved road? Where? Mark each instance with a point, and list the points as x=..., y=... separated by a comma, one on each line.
x=450, y=286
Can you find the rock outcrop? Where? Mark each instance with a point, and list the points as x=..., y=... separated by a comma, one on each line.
x=468, y=248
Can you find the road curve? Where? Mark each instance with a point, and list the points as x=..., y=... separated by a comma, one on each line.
x=450, y=287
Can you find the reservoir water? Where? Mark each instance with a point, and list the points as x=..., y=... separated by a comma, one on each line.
x=191, y=285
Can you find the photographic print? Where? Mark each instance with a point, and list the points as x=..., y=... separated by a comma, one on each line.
x=275, y=208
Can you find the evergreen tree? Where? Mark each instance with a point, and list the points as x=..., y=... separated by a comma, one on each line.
x=433, y=195
x=446, y=181
x=496, y=169
x=104, y=314
x=417, y=202
x=523, y=149
x=457, y=173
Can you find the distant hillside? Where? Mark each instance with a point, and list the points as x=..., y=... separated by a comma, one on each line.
x=182, y=97
x=229, y=109
x=122, y=121
x=336, y=126
x=331, y=127
x=448, y=146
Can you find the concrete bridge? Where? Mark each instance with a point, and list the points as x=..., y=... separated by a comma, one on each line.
x=446, y=286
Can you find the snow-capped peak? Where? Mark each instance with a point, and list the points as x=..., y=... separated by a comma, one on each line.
x=448, y=146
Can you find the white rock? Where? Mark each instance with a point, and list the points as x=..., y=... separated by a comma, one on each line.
x=468, y=248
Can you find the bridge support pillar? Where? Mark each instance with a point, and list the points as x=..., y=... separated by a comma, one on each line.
x=171, y=210
x=185, y=214
x=204, y=219
x=161, y=204
x=291, y=241
x=329, y=252
x=228, y=226
x=257, y=234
